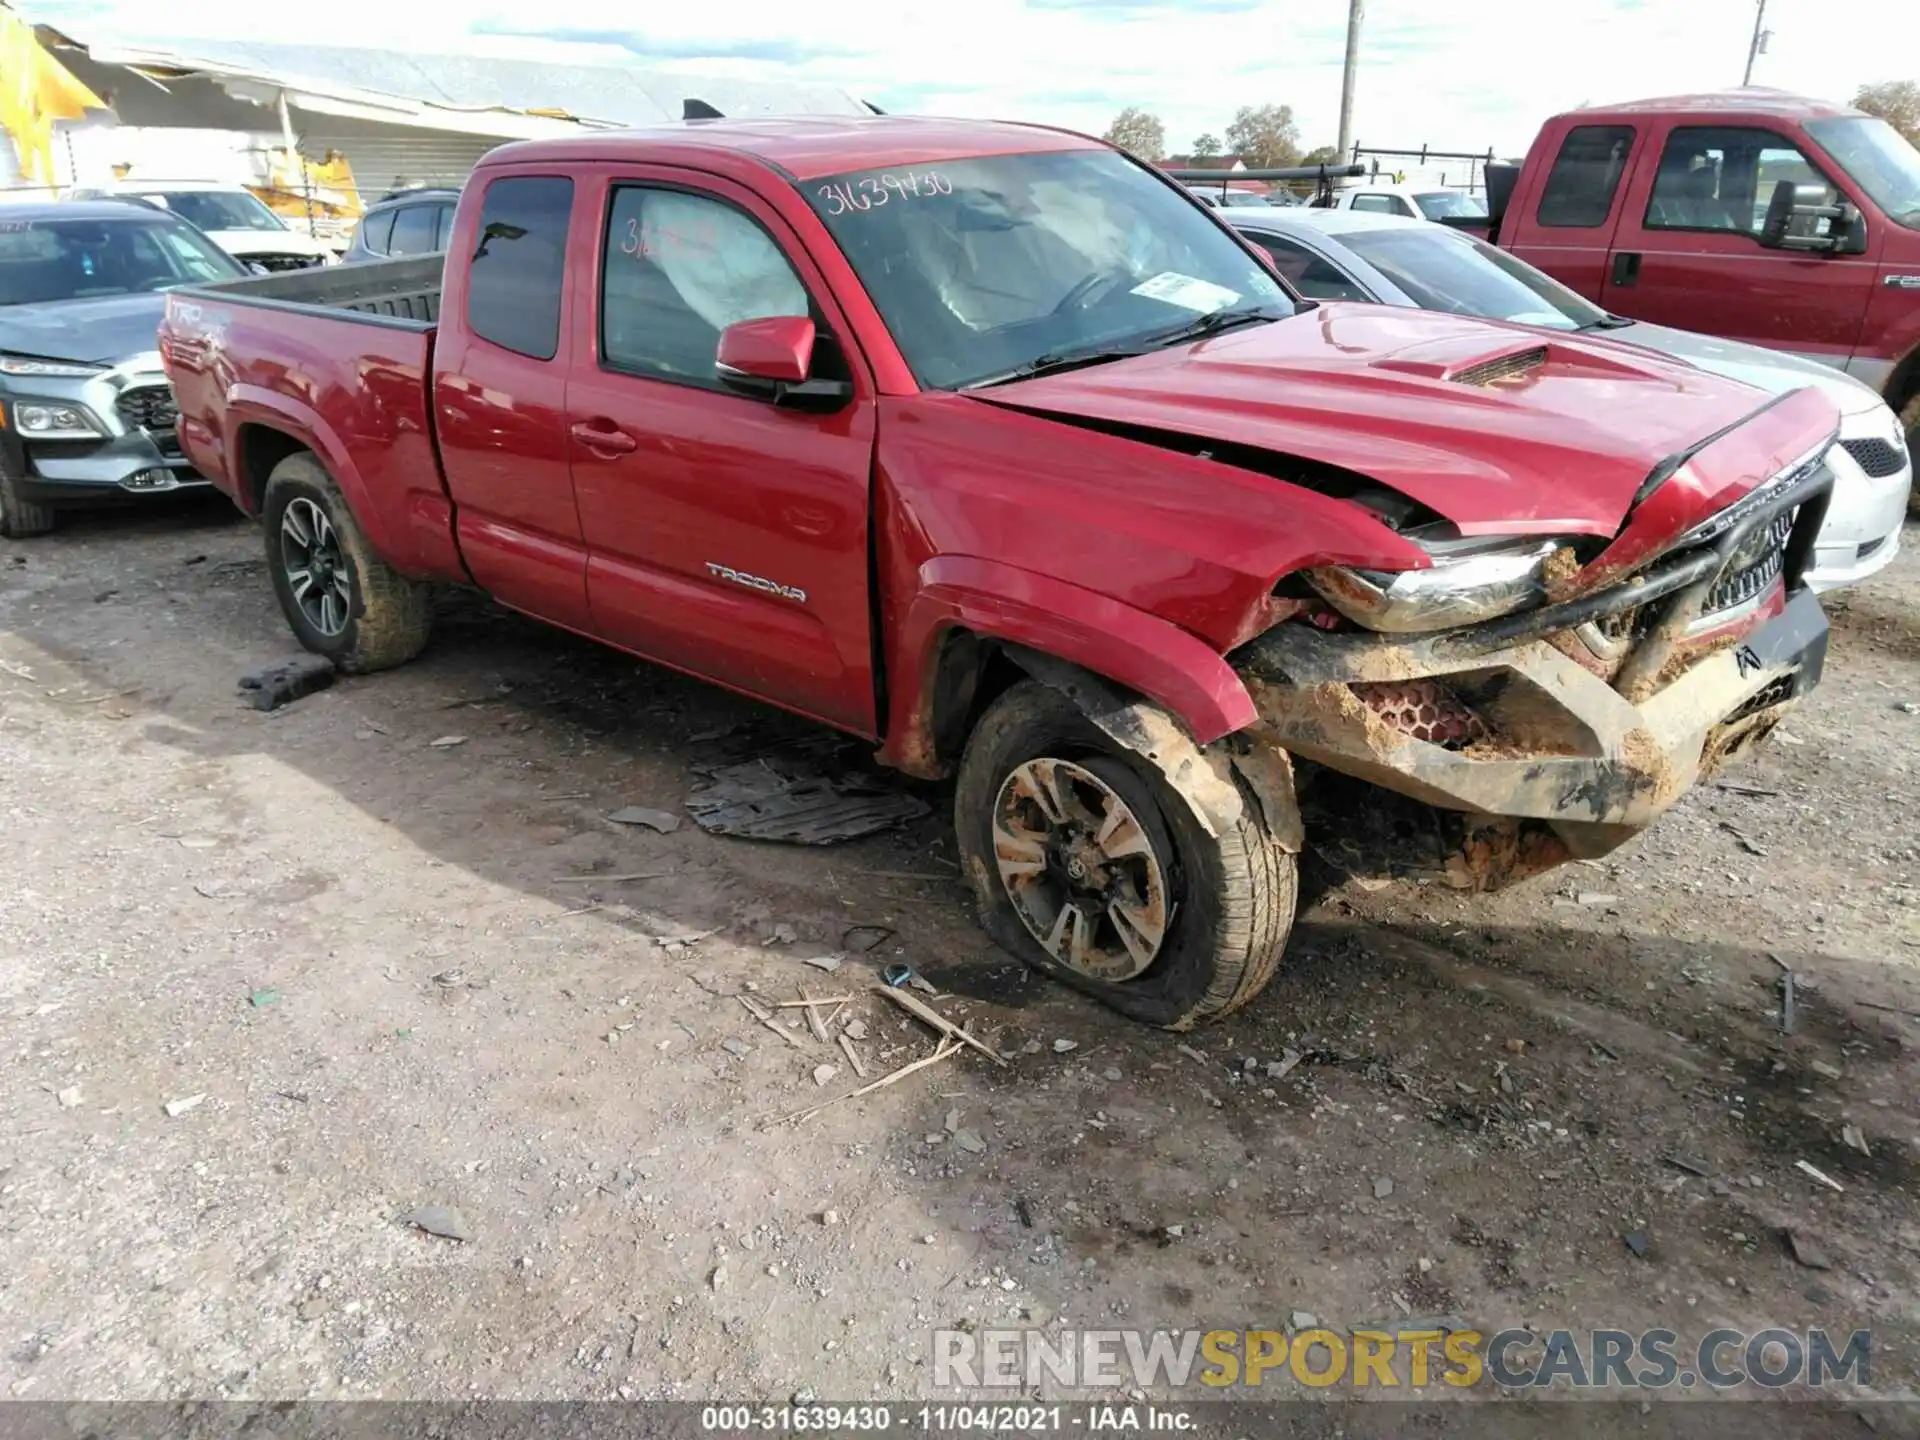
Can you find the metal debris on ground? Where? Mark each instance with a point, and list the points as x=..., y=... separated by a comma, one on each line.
x=797, y=804
x=1853, y=1136
x=1787, y=1017
x=68, y=1097
x=1825, y=1179
x=1061, y=1047
x=612, y=879
x=862, y=939
x=176, y=1108
x=925, y=1012
x=1637, y=1242
x=260, y=999
x=1806, y=1251
x=824, y=1073
x=441, y=1220
x=828, y=963
x=664, y=821
x=1277, y=1069
x=1741, y=840
x=290, y=680
x=1692, y=1167
x=970, y=1141
x=739, y=1049
x=447, y=742
x=782, y=935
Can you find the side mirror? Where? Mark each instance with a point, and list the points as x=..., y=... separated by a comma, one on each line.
x=1842, y=236
x=771, y=359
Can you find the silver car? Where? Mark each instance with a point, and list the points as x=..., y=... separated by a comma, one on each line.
x=1355, y=255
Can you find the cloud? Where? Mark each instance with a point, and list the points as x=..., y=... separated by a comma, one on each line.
x=1468, y=76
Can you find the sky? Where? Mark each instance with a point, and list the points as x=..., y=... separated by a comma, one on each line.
x=1462, y=75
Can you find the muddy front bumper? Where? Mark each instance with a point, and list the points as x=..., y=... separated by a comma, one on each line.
x=1526, y=731
x=1530, y=719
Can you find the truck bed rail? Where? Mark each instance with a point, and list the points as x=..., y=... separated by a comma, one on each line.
x=403, y=293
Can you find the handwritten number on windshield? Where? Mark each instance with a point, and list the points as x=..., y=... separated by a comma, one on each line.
x=869, y=192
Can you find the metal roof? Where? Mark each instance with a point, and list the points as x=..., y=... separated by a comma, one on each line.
x=591, y=93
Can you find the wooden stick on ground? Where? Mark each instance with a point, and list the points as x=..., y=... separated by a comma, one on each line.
x=765, y=1017
x=919, y=1008
x=947, y=1047
x=813, y=1020
x=611, y=879
x=822, y=1003
x=853, y=1055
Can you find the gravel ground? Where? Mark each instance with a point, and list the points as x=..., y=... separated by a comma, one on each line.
x=371, y=962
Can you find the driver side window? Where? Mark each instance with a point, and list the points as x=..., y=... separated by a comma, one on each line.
x=676, y=270
x=1721, y=178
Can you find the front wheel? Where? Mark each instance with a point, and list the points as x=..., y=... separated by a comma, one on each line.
x=19, y=518
x=342, y=600
x=1090, y=867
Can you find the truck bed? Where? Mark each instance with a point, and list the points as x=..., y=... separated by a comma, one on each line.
x=399, y=292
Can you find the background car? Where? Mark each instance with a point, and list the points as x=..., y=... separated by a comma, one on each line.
x=86, y=415
x=1353, y=255
x=404, y=222
x=1415, y=202
x=238, y=221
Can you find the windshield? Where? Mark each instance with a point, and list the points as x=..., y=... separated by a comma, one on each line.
x=983, y=266
x=1450, y=205
x=1880, y=161
x=219, y=209
x=1445, y=270
x=51, y=260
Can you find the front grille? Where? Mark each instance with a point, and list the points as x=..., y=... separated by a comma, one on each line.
x=1754, y=568
x=148, y=407
x=284, y=262
x=1775, y=692
x=1424, y=709
x=1879, y=458
x=1507, y=367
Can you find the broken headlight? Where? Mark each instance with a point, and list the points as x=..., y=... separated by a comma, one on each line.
x=1470, y=579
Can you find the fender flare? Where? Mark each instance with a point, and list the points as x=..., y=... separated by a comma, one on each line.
x=252, y=405
x=995, y=601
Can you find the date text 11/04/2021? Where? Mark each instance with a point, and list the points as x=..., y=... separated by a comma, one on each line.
x=957, y=1419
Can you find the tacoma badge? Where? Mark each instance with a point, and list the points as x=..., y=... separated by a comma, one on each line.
x=754, y=582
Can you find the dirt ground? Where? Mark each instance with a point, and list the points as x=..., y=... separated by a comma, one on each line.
x=363, y=951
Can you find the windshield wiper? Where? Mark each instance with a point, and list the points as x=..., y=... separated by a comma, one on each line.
x=1055, y=362
x=1608, y=322
x=1207, y=325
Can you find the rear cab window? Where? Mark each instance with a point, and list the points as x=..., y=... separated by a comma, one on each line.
x=413, y=228
x=517, y=274
x=1585, y=177
x=1312, y=275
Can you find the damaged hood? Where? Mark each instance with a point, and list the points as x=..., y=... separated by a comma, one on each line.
x=1500, y=429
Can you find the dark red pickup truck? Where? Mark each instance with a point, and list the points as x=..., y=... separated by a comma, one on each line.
x=987, y=443
x=1754, y=214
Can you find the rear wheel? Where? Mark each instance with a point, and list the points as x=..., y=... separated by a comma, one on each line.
x=20, y=518
x=341, y=599
x=1088, y=866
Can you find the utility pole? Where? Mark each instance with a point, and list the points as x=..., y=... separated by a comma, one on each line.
x=1757, y=46
x=1356, y=12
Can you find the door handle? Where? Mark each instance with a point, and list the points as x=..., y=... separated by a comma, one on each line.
x=1626, y=267
x=614, y=442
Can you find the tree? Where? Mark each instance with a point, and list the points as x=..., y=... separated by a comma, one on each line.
x=1264, y=137
x=1895, y=101
x=1139, y=132
x=1320, y=155
x=1206, y=146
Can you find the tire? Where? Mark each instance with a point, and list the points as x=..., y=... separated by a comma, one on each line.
x=1228, y=900
x=20, y=518
x=372, y=617
x=1910, y=424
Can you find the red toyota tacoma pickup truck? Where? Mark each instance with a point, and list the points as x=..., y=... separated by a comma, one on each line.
x=989, y=444
x=1754, y=214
